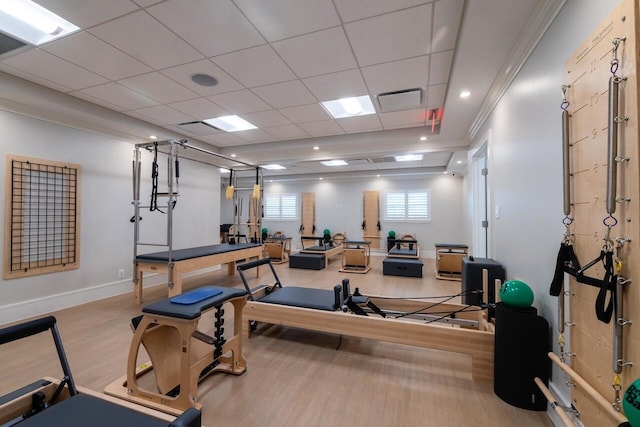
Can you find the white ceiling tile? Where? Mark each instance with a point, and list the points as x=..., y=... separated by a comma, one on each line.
x=336, y=85
x=147, y=40
x=446, y=21
x=49, y=67
x=266, y=119
x=87, y=13
x=255, y=135
x=321, y=52
x=436, y=95
x=179, y=130
x=198, y=129
x=256, y=66
x=164, y=114
x=182, y=74
x=440, y=67
x=145, y=118
x=88, y=51
x=350, y=10
x=402, y=119
x=211, y=26
x=200, y=108
x=360, y=124
x=287, y=94
x=96, y=101
x=397, y=75
x=159, y=87
x=306, y=113
x=322, y=128
x=240, y=102
x=393, y=36
x=39, y=80
x=222, y=139
x=124, y=98
x=287, y=132
x=277, y=19
x=145, y=3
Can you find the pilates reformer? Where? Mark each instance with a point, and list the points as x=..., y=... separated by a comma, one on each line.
x=356, y=257
x=324, y=246
x=54, y=402
x=405, y=247
x=181, y=354
x=397, y=320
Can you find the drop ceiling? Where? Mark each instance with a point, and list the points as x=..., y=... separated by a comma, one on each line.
x=128, y=73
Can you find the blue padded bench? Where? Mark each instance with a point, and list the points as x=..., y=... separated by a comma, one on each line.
x=406, y=267
x=307, y=261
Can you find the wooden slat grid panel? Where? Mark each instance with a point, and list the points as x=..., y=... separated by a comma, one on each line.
x=42, y=216
x=588, y=72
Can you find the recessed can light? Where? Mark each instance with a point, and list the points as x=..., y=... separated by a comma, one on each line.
x=423, y=138
x=465, y=94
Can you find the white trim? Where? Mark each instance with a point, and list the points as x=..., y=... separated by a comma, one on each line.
x=48, y=304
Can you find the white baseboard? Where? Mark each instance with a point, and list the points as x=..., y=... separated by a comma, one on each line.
x=44, y=305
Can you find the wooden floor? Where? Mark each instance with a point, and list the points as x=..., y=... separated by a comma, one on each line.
x=294, y=377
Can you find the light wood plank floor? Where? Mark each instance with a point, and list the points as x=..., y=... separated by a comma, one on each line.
x=294, y=377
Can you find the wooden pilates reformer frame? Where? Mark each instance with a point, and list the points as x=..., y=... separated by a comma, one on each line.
x=181, y=354
x=477, y=342
x=169, y=265
x=356, y=257
x=328, y=249
x=278, y=248
x=55, y=402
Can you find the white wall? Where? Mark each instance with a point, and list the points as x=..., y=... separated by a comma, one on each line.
x=525, y=166
x=105, y=209
x=339, y=208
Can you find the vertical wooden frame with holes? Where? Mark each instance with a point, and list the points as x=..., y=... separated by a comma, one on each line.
x=587, y=73
x=56, y=218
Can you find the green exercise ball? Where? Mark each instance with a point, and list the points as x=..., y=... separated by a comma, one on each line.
x=326, y=231
x=515, y=293
x=392, y=233
x=265, y=230
x=631, y=403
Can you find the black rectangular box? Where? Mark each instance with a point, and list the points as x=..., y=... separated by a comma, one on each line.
x=307, y=261
x=402, y=267
x=472, y=278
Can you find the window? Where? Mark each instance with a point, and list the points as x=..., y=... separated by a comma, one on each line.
x=42, y=212
x=408, y=206
x=281, y=206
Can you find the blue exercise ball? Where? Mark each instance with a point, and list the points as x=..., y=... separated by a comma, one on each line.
x=515, y=293
x=631, y=403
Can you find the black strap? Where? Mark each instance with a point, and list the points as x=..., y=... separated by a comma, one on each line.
x=567, y=262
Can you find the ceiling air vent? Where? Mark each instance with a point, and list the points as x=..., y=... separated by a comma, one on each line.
x=382, y=160
x=400, y=100
x=9, y=44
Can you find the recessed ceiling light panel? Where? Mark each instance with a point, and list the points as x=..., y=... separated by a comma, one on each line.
x=230, y=123
x=349, y=107
x=408, y=157
x=32, y=23
x=273, y=167
x=334, y=163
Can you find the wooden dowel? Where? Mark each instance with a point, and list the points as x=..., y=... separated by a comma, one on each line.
x=554, y=404
x=589, y=390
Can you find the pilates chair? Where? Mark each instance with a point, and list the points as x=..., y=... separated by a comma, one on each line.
x=181, y=354
x=60, y=403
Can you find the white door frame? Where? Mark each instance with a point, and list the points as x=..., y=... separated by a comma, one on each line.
x=481, y=199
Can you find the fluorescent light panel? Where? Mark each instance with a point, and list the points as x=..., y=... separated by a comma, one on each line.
x=273, y=167
x=32, y=23
x=408, y=157
x=230, y=123
x=334, y=163
x=349, y=107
